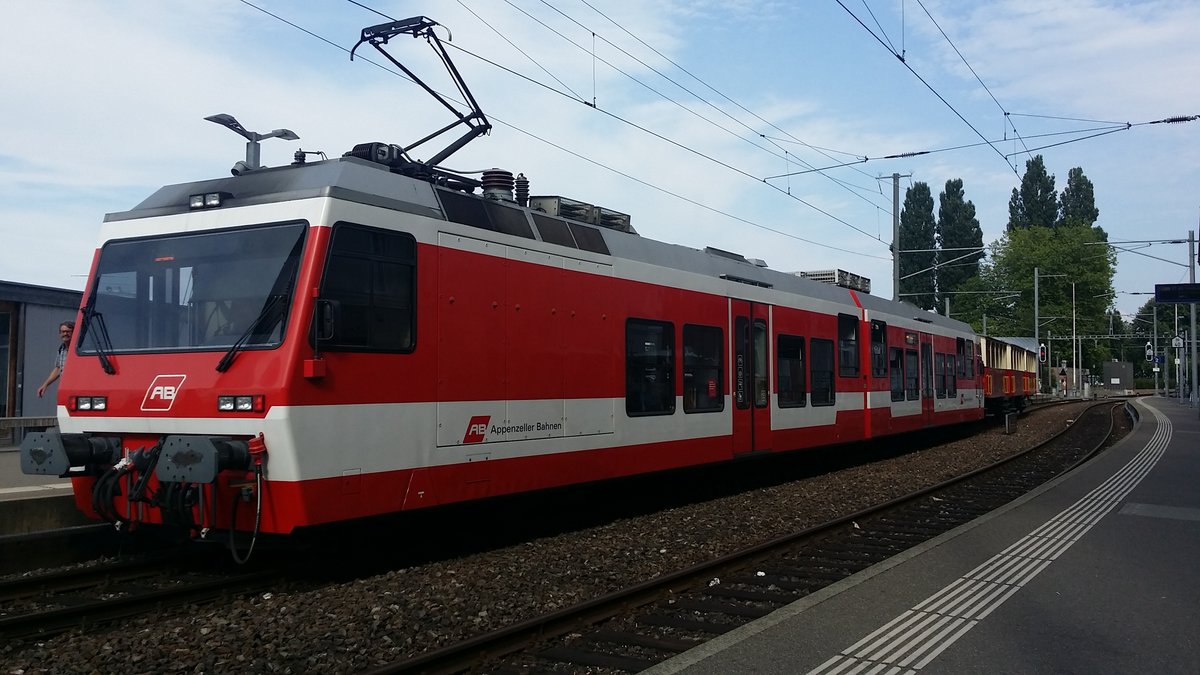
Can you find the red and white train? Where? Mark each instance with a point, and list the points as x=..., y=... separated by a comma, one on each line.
x=334, y=340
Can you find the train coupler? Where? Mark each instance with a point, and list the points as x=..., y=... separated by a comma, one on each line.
x=50, y=453
x=198, y=459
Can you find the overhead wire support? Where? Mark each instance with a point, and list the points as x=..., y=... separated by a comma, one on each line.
x=533, y=60
x=422, y=26
x=900, y=57
x=1176, y=120
x=823, y=151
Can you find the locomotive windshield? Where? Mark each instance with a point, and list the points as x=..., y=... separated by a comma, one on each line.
x=195, y=291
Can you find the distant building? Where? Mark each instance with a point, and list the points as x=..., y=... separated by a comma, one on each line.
x=1118, y=376
x=29, y=319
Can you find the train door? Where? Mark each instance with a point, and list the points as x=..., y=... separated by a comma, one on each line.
x=751, y=379
x=927, y=393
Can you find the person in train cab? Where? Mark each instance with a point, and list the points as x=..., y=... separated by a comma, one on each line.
x=65, y=330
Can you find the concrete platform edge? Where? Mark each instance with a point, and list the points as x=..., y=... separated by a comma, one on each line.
x=35, y=514
x=723, y=642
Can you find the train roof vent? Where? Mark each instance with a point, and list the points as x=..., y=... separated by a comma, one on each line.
x=838, y=278
x=726, y=254
x=583, y=212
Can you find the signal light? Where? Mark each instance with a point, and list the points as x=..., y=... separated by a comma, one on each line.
x=1149, y=352
x=1042, y=353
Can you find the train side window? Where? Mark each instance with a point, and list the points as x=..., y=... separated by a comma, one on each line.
x=703, y=388
x=970, y=360
x=939, y=374
x=649, y=366
x=951, y=382
x=960, y=354
x=879, y=351
x=897, y=365
x=790, y=364
x=847, y=345
x=762, y=395
x=370, y=276
x=926, y=371
x=912, y=376
x=821, y=371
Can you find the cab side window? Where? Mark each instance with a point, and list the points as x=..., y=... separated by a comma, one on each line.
x=370, y=277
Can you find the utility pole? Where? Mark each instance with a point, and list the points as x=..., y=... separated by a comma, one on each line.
x=896, y=234
x=1192, y=262
x=1036, y=328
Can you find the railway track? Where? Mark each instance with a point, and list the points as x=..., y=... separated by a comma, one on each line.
x=635, y=628
x=41, y=605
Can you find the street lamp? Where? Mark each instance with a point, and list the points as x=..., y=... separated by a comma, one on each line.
x=252, y=140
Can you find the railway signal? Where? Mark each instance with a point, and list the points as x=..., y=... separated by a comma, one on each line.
x=1149, y=352
x=1042, y=353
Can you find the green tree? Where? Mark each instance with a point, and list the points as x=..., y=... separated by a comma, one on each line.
x=957, y=229
x=1036, y=204
x=1067, y=251
x=917, y=234
x=1077, y=203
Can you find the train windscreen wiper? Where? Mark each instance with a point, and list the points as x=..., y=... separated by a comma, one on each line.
x=99, y=335
x=255, y=326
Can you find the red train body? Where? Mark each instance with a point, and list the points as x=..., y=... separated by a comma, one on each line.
x=409, y=359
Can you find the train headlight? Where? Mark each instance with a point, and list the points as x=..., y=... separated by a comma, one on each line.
x=88, y=403
x=241, y=403
x=208, y=200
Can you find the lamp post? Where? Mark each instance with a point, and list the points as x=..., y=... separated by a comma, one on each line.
x=252, y=139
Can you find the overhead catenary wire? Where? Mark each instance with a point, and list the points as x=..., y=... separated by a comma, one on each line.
x=619, y=118
x=930, y=87
x=596, y=58
x=914, y=153
x=978, y=79
x=531, y=59
x=738, y=105
x=601, y=165
x=679, y=145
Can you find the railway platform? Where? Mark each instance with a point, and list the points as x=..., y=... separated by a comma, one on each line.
x=1095, y=572
x=33, y=503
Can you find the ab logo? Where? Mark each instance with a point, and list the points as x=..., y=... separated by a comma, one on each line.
x=477, y=429
x=161, y=393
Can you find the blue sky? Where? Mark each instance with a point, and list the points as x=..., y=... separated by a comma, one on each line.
x=104, y=102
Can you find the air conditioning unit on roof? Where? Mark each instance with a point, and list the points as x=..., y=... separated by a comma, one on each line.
x=839, y=278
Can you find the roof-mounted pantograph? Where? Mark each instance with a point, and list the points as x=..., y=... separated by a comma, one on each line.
x=400, y=157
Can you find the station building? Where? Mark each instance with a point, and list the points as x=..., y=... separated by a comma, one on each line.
x=29, y=319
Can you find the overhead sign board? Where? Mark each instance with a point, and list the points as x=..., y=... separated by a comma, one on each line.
x=1176, y=294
